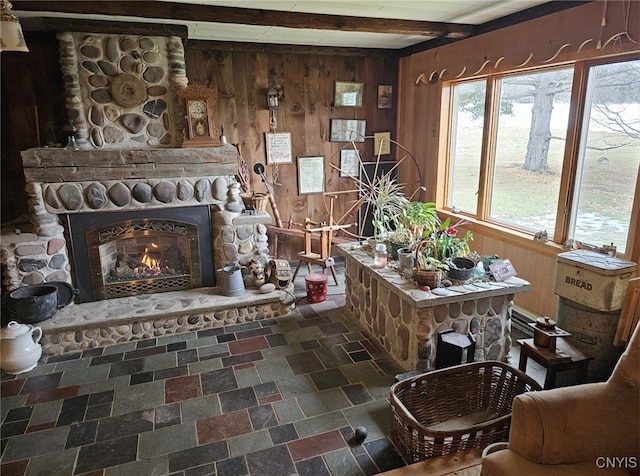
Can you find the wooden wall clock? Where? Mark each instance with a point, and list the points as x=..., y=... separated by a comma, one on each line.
x=200, y=130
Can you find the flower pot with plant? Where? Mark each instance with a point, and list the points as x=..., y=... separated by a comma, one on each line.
x=386, y=198
x=454, y=251
x=428, y=269
x=401, y=237
x=416, y=221
x=420, y=218
x=447, y=242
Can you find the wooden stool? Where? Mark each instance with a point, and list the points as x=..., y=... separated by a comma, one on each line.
x=564, y=357
x=322, y=259
x=315, y=258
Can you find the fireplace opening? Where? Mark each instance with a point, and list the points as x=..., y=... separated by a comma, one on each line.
x=144, y=264
x=118, y=254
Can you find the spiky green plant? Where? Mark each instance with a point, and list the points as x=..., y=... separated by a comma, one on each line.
x=387, y=199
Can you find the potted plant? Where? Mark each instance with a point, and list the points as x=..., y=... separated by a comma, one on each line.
x=420, y=218
x=398, y=238
x=447, y=242
x=417, y=220
x=453, y=250
x=388, y=202
x=428, y=268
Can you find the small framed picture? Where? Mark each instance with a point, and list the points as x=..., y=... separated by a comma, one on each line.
x=348, y=94
x=347, y=130
x=381, y=143
x=310, y=175
x=502, y=270
x=385, y=96
x=278, y=145
x=349, y=163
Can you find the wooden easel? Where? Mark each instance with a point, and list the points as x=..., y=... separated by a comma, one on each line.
x=322, y=259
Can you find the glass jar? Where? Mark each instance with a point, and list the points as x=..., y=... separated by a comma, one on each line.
x=72, y=144
x=71, y=130
x=380, y=256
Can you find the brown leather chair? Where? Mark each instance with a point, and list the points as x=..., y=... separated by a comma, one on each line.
x=590, y=429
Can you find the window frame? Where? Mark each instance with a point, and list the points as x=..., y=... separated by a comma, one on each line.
x=570, y=162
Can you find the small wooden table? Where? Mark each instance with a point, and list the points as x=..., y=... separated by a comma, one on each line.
x=564, y=357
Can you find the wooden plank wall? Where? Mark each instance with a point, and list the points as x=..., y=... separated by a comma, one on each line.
x=33, y=110
x=241, y=73
x=305, y=77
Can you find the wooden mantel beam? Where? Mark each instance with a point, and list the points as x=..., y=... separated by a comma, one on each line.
x=248, y=16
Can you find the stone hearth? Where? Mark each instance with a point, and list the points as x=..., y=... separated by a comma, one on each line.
x=103, y=323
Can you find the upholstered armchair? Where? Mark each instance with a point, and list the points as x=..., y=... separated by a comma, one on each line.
x=580, y=430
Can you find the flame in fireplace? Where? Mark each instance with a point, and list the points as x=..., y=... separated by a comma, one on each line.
x=148, y=260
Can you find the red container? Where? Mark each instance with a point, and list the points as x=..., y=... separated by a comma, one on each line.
x=316, y=284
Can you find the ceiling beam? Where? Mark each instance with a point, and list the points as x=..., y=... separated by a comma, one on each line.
x=107, y=27
x=248, y=16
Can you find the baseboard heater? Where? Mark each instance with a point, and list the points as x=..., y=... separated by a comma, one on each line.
x=520, y=320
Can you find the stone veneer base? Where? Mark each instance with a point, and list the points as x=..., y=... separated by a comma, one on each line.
x=102, y=323
x=405, y=320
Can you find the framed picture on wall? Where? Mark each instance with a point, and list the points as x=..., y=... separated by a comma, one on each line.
x=349, y=163
x=385, y=96
x=348, y=94
x=347, y=130
x=278, y=146
x=310, y=175
x=381, y=143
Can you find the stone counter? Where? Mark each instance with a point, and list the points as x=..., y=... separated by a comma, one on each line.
x=406, y=320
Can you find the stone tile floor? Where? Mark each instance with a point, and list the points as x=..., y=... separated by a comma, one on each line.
x=272, y=397
x=275, y=397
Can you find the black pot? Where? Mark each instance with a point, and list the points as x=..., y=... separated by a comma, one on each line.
x=34, y=303
x=461, y=269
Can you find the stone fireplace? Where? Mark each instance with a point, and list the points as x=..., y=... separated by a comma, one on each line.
x=121, y=95
x=131, y=214
x=92, y=212
x=149, y=198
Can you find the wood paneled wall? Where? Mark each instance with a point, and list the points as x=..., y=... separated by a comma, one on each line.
x=305, y=78
x=33, y=111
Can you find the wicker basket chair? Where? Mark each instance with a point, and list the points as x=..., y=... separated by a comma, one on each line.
x=455, y=408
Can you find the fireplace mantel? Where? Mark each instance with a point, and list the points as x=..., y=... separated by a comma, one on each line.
x=60, y=165
x=61, y=181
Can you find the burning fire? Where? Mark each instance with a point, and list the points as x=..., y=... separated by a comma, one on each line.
x=151, y=265
x=148, y=261
x=142, y=265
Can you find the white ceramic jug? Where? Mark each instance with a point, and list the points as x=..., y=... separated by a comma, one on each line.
x=20, y=348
